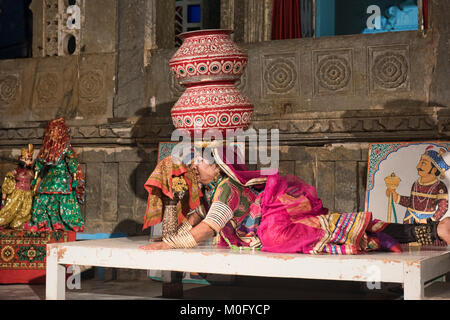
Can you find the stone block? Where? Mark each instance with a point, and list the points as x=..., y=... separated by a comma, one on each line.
x=305, y=170
x=109, y=191
x=127, y=154
x=131, y=74
x=100, y=26
x=94, y=186
x=99, y=226
x=362, y=185
x=339, y=152
x=287, y=167
x=326, y=183
x=296, y=153
x=93, y=155
x=126, y=196
x=346, y=190
x=16, y=89
x=142, y=172
x=54, y=88
x=96, y=86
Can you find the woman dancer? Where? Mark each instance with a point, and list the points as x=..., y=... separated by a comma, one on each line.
x=283, y=214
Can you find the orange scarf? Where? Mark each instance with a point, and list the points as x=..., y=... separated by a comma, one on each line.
x=160, y=182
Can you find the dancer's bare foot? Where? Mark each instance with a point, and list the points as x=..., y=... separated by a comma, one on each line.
x=443, y=230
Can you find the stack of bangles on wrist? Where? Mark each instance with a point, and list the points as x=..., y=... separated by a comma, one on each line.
x=182, y=239
x=200, y=210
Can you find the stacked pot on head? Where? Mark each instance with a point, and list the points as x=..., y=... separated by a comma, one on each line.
x=208, y=64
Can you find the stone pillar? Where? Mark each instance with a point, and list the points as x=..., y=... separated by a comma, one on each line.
x=37, y=7
x=158, y=32
x=144, y=25
x=251, y=20
x=257, y=21
x=440, y=24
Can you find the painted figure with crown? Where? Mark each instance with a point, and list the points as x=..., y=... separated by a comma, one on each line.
x=429, y=195
x=17, y=194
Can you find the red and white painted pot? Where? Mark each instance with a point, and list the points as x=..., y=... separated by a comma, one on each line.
x=212, y=106
x=208, y=64
x=208, y=55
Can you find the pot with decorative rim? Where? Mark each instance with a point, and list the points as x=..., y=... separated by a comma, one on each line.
x=208, y=55
x=208, y=63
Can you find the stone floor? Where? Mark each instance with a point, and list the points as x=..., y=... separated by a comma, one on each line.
x=242, y=288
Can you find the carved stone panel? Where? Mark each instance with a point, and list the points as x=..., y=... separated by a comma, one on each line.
x=47, y=89
x=51, y=22
x=389, y=68
x=96, y=86
x=91, y=87
x=61, y=24
x=47, y=94
x=333, y=72
x=10, y=89
x=279, y=76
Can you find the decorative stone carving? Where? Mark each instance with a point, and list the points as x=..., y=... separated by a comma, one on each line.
x=47, y=88
x=51, y=21
x=9, y=88
x=333, y=72
x=279, y=75
x=389, y=68
x=61, y=28
x=91, y=85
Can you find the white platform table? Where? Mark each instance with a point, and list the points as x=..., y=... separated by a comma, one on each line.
x=413, y=268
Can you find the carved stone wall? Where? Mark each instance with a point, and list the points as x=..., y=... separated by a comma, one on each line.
x=79, y=86
x=290, y=79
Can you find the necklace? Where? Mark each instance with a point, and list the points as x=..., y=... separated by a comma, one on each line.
x=212, y=187
x=422, y=199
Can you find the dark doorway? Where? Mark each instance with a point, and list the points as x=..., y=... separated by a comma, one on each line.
x=16, y=29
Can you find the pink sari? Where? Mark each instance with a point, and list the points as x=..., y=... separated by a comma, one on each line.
x=293, y=219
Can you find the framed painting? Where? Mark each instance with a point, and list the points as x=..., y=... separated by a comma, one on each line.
x=407, y=181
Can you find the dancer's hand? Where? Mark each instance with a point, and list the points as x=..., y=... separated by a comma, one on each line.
x=160, y=245
x=443, y=229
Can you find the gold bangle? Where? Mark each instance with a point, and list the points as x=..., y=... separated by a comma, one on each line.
x=200, y=210
x=185, y=226
x=183, y=239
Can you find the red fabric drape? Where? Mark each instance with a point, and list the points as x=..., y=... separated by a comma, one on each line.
x=425, y=14
x=286, y=19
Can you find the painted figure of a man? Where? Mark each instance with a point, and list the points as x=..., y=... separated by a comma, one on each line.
x=429, y=195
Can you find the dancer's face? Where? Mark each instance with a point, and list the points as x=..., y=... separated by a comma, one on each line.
x=204, y=170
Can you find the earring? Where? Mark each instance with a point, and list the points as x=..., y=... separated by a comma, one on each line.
x=217, y=175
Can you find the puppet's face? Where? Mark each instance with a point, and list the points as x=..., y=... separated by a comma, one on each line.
x=425, y=169
x=204, y=170
x=27, y=160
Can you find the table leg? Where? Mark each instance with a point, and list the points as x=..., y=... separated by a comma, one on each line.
x=172, y=284
x=413, y=282
x=55, y=283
